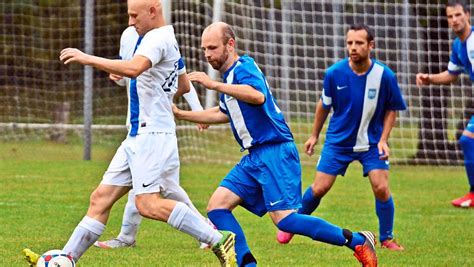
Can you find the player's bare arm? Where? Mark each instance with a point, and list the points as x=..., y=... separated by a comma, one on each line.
x=441, y=78
x=183, y=85
x=388, y=123
x=320, y=116
x=240, y=91
x=128, y=68
x=208, y=116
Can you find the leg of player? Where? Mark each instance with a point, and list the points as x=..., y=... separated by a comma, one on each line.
x=175, y=192
x=93, y=224
x=311, y=199
x=181, y=217
x=384, y=208
x=130, y=222
x=467, y=144
x=362, y=243
x=220, y=207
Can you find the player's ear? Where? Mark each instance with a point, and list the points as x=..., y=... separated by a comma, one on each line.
x=372, y=44
x=231, y=42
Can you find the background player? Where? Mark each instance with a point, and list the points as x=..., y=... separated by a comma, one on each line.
x=364, y=96
x=459, y=19
x=147, y=159
x=268, y=179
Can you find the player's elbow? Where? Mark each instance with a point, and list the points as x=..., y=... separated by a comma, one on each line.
x=133, y=72
x=258, y=99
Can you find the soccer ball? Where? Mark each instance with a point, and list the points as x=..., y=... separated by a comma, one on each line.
x=55, y=258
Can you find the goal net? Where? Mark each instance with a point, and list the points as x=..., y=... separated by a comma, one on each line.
x=292, y=41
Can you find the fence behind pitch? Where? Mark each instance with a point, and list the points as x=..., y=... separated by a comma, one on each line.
x=292, y=41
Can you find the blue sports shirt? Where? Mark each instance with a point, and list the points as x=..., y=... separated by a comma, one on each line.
x=359, y=103
x=462, y=56
x=251, y=124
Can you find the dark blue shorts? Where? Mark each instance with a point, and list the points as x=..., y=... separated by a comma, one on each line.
x=335, y=161
x=267, y=179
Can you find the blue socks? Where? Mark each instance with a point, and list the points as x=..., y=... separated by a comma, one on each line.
x=467, y=145
x=386, y=213
x=313, y=227
x=223, y=219
x=309, y=202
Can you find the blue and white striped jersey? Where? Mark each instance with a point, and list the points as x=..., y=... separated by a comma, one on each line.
x=462, y=56
x=253, y=125
x=359, y=103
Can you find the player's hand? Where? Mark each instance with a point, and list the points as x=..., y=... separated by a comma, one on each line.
x=176, y=111
x=309, y=145
x=202, y=78
x=384, y=150
x=115, y=77
x=71, y=55
x=202, y=127
x=422, y=79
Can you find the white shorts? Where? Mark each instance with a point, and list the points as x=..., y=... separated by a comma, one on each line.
x=151, y=159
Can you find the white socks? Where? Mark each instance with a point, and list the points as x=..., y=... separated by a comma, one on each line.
x=86, y=233
x=130, y=221
x=187, y=221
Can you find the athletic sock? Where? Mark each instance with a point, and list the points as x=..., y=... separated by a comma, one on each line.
x=313, y=227
x=309, y=202
x=86, y=233
x=385, y=212
x=187, y=221
x=353, y=239
x=131, y=220
x=223, y=219
x=467, y=145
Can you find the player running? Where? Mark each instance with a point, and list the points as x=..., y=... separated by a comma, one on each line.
x=268, y=178
x=147, y=159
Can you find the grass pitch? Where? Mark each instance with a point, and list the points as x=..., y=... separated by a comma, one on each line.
x=44, y=195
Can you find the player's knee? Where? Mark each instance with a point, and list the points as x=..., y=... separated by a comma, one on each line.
x=382, y=192
x=98, y=202
x=319, y=189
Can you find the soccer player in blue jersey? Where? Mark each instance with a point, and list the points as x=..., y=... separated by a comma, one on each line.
x=147, y=160
x=461, y=60
x=268, y=178
x=364, y=96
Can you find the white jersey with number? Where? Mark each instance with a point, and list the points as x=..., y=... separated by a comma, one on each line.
x=151, y=93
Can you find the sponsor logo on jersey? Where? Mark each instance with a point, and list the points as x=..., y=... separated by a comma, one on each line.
x=341, y=87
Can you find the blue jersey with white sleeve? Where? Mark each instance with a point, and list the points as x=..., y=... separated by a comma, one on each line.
x=253, y=125
x=462, y=56
x=359, y=103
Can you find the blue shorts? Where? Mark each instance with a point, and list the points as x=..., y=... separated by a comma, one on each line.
x=267, y=179
x=470, y=125
x=335, y=161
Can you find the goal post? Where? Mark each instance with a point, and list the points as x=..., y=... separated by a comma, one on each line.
x=293, y=42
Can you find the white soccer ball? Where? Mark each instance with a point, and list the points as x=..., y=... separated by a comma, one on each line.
x=55, y=258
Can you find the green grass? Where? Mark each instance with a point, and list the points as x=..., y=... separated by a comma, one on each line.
x=44, y=195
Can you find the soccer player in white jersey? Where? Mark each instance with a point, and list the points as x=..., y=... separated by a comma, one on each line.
x=131, y=217
x=268, y=178
x=461, y=60
x=364, y=96
x=147, y=159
